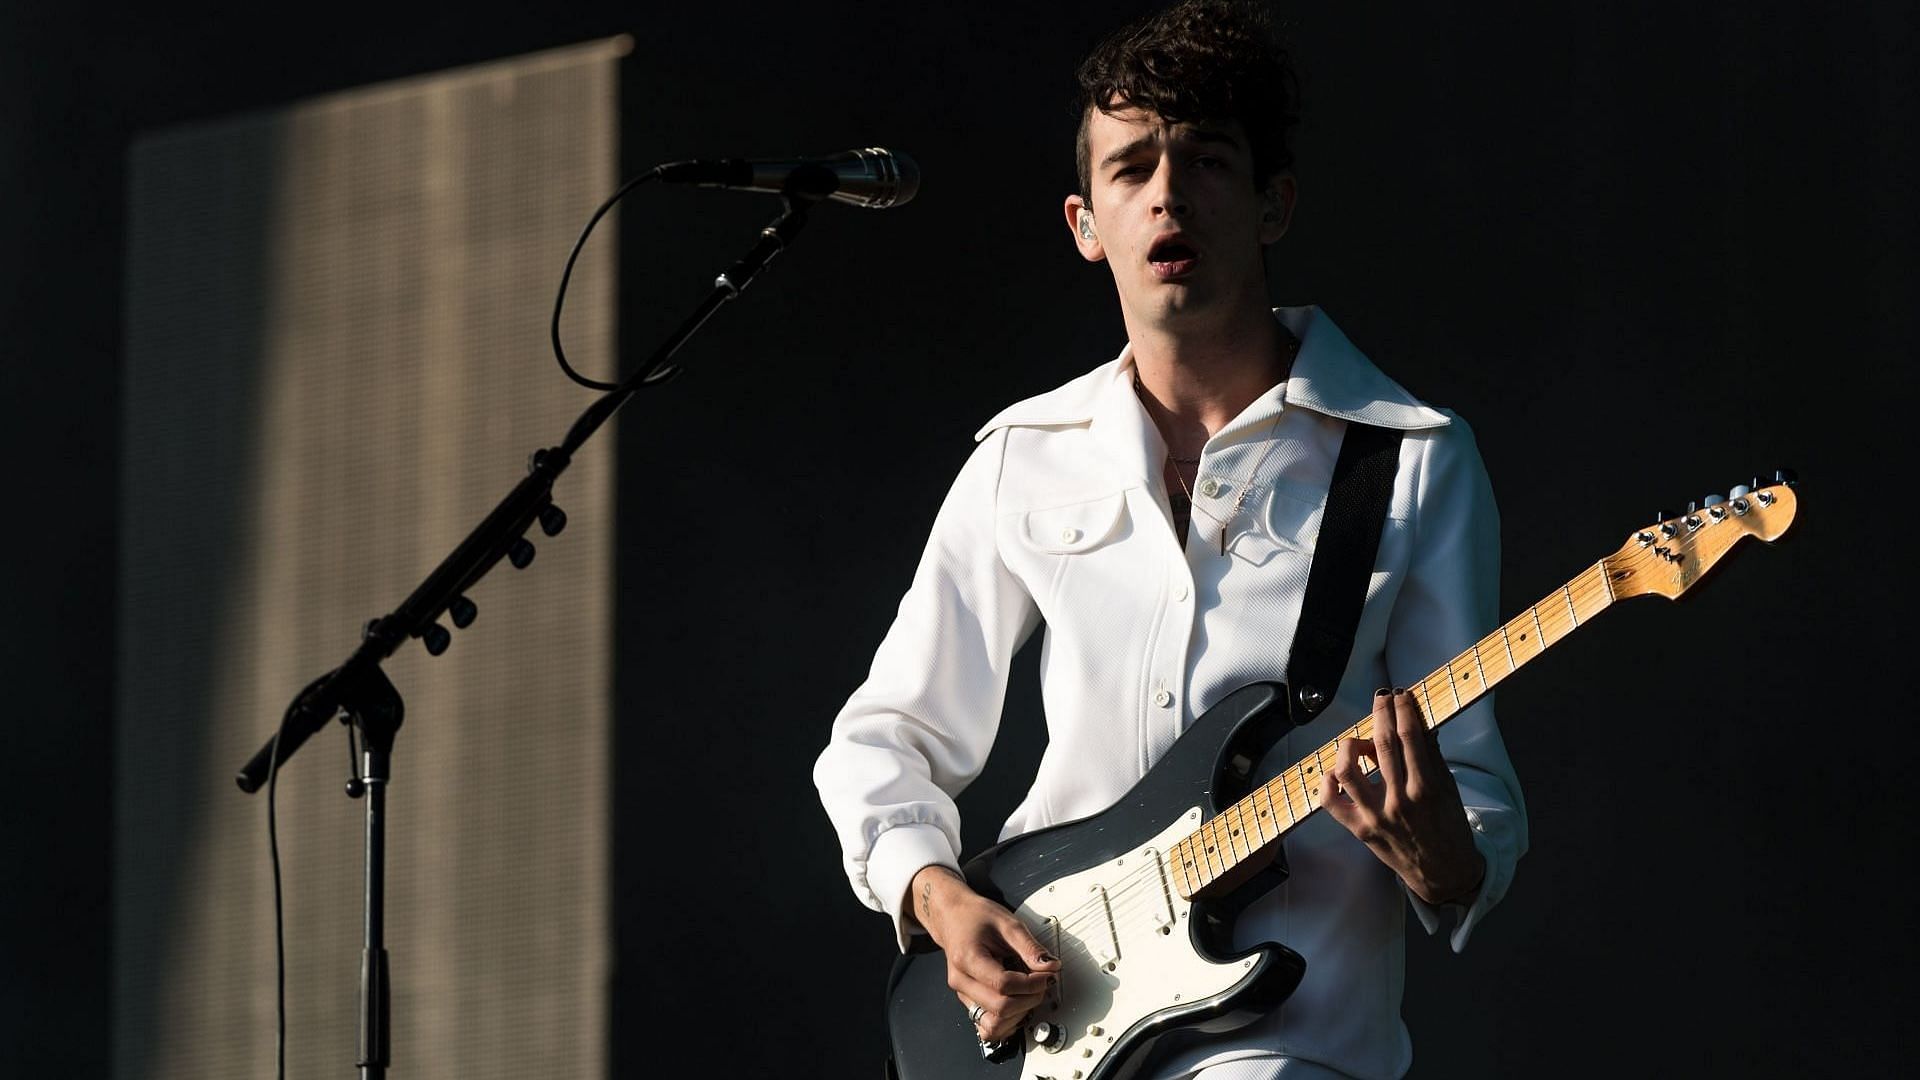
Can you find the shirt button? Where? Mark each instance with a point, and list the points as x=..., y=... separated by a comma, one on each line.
x=1179, y=591
x=1162, y=698
x=1068, y=536
x=1210, y=487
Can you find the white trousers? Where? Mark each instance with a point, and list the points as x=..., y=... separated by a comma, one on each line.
x=1264, y=1069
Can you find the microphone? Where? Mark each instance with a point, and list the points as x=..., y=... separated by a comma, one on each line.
x=871, y=177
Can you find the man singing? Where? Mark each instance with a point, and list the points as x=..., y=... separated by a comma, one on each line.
x=1159, y=515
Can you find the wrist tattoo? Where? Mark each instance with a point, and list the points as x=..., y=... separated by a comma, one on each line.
x=926, y=892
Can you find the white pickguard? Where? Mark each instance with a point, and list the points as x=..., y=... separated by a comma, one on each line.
x=1126, y=952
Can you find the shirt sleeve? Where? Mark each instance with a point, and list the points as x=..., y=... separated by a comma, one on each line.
x=1449, y=602
x=919, y=729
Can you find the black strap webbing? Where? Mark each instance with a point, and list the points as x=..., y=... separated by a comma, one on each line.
x=1350, y=528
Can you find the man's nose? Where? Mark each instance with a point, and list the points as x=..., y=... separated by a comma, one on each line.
x=1168, y=197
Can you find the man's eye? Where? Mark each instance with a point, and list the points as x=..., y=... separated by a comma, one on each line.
x=1208, y=161
x=1131, y=170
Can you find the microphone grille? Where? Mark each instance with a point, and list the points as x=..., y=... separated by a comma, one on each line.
x=899, y=177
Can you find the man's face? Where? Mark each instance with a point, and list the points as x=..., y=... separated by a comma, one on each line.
x=1177, y=216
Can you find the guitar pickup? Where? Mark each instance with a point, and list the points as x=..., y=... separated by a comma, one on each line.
x=1106, y=949
x=1163, y=916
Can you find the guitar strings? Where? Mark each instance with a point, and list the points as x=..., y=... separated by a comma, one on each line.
x=1122, y=901
x=1124, y=895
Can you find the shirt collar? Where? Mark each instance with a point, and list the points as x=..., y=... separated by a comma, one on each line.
x=1330, y=376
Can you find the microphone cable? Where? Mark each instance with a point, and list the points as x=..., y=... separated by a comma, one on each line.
x=279, y=928
x=560, y=298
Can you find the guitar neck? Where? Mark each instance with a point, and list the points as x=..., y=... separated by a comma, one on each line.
x=1242, y=833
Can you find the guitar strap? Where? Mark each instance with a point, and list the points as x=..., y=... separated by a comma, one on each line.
x=1342, y=567
x=1350, y=528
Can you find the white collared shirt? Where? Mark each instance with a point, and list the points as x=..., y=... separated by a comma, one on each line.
x=1060, y=515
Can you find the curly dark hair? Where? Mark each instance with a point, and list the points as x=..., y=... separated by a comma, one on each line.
x=1195, y=62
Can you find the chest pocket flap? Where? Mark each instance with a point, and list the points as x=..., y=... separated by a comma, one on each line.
x=1074, y=528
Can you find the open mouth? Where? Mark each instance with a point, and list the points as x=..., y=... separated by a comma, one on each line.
x=1172, y=256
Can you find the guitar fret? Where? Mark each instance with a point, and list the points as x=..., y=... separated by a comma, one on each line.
x=1211, y=838
x=1539, y=632
x=1607, y=581
x=1197, y=873
x=1307, y=771
x=1271, y=819
x=1575, y=615
x=1452, y=687
x=1236, y=833
x=1507, y=641
x=1477, y=666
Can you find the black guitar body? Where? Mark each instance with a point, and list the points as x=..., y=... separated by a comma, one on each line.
x=1208, y=767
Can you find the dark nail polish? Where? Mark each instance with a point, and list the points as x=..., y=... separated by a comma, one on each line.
x=1382, y=692
x=1049, y=958
x=1398, y=690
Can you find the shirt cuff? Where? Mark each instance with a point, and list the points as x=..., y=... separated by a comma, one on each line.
x=898, y=854
x=1464, y=914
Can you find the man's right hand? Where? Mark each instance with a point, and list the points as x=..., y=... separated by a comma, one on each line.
x=993, y=961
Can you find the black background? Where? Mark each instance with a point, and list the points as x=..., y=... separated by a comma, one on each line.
x=1646, y=249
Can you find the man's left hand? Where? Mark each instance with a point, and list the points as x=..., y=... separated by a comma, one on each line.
x=1412, y=818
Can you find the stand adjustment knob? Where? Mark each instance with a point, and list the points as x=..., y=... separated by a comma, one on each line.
x=436, y=638
x=552, y=520
x=1049, y=1035
x=520, y=553
x=463, y=611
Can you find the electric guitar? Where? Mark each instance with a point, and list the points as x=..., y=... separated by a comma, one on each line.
x=1138, y=901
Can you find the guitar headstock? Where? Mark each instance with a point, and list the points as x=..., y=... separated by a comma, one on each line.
x=1669, y=556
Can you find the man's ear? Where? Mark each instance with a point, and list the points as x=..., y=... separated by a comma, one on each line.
x=1086, y=235
x=1280, y=195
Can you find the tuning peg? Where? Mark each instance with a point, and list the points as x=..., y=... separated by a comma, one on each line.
x=436, y=639
x=1738, y=490
x=520, y=553
x=1785, y=476
x=1713, y=500
x=1693, y=507
x=463, y=612
x=1659, y=516
x=552, y=520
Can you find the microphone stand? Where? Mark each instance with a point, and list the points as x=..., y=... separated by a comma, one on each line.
x=362, y=695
